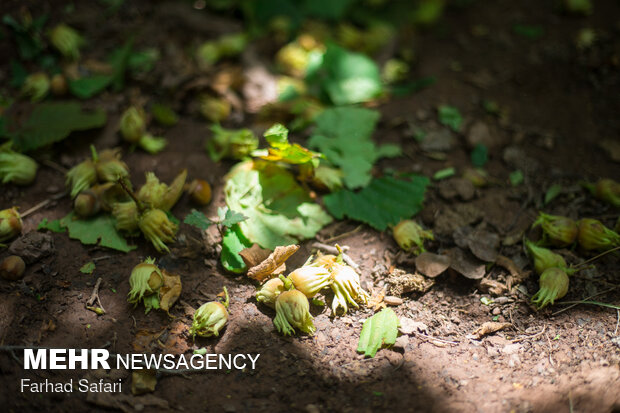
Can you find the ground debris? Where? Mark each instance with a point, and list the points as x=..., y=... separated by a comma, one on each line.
x=487, y=328
x=402, y=282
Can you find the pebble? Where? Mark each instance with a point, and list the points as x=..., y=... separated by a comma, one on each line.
x=391, y=300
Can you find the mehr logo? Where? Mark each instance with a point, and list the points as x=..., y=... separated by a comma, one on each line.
x=63, y=359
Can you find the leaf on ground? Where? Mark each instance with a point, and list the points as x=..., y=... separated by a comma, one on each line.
x=88, y=268
x=444, y=173
x=228, y=217
x=86, y=87
x=346, y=77
x=553, y=191
x=272, y=263
x=479, y=155
x=53, y=225
x=164, y=114
x=344, y=137
x=100, y=229
x=197, y=219
x=170, y=291
x=516, y=178
x=233, y=242
x=450, y=116
x=279, y=210
x=386, y=201
x=378, y=331
x=532, y=32
x=283, y=151
x=489, y=327
x=53, y=121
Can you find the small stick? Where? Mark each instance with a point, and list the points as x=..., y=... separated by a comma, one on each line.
x=94, y=297
x=343, y=235
x=54, y=166
x=437, y=339
x=596, y=257
x=580, y=302
x=43, y=203
x=530, y=337
x=105, y=257
x=617, y=324
x=333, y=250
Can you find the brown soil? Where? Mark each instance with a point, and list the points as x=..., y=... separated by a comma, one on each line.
x=560, y=102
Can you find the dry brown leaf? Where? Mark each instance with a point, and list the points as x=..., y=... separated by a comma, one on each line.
x=176, y=343
x=493, y=287
x=143, y=381
x=254, y=255
x=170, y=291
x=144, y=338
x=466, y=264
x=490, y=327
x=516, y=276
x=276, y=259
x=376, y=300
x=431, y=264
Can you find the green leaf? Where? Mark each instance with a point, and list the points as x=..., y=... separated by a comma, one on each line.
x=444, y=173
x=516, y=178
x=52, y=122
x=233, y=242
x=86, y=87
x=118, y=60
x=277, y=135
x=479, y=155
x=164, y=114
x=386, y=201
x=378, y=331
x=228, y=217
x=344, y=137
x=283, y=151
x=346, y=77
x=88, y=268
x=99, y=229
x=53, y=225
x=408, y=88
x=532, y=32
x=450, y=117
x=552, y=193
x=279, y=210
x=197, y=219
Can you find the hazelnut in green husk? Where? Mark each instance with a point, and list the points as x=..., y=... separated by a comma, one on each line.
x=607, y=190
x=157, y=228
x=558, y=231
x=593, y=235
x=15, y=167
x=127, y=216
x=110, y=167
x=293, y=311
x=310, y=279
x=270, y=291
x=66, y=40
x=553, y=285
x=409, y=235
x=133, y=124
x=145, y=282
x=544, y=258
x=159, y=195
x=230, y=143
x=36, y=86
x=152, y=144
x=10, y=224
x=210, y=318
x=82, y=176
x=347, y=289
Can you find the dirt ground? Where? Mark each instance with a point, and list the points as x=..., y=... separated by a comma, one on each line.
x=560, y=102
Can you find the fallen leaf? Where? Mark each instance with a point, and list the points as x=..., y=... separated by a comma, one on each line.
x=144, y=338
x=431, y=264
x=170, y=291
x=465, y=264
x=143, y=381
x=276, y=259
x=516, y=275
x=254, y=255
x=489, y=327
x=493, y=287
x=378, y=331
x=484, y=245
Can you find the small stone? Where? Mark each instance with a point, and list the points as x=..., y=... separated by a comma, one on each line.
x=437, y=141
x=401, y=343
x=391, y=300
x=480, y=134
x=496, y=311
x=409, y=326
x=511, y=348
x=312, y=408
